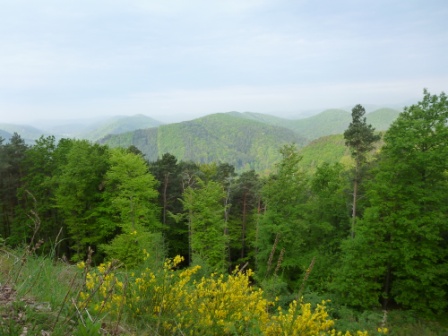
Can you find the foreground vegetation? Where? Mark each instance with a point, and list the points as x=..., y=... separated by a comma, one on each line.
x=158, y=243
x=41, y=296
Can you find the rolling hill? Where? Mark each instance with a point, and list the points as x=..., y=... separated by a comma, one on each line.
x=328, y=122
x=330, y=148
x=247, y=140
x=382, y=118
x=221, y=137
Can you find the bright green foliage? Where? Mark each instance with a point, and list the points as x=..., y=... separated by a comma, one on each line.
x=359, y=281
x=131, y=195
x=283, y=230
x=401, y=252
x=131, y=189
x=205, y=208
x=79, y=195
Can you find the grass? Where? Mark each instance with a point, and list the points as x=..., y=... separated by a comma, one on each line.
x=34, y=292
x=40, y=296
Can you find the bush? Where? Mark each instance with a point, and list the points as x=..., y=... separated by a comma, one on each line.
x=171, y=302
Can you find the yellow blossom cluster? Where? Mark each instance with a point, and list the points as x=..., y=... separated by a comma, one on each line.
x=104, y=292
x=176, y=304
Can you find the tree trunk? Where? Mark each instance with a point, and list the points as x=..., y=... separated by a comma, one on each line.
x=355, y=198
x=243, y=229
x=165, y=205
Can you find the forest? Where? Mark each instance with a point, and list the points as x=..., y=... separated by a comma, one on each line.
x=370, y=235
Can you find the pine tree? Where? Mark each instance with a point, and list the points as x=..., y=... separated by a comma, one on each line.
x=360, y=138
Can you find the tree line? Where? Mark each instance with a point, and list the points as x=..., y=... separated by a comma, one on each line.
x=374, y=234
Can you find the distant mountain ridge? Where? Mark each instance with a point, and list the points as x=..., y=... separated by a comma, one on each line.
x=332, y=121
x=92, y=131
x=28, y=133
x=247, y=140
x=118, y=125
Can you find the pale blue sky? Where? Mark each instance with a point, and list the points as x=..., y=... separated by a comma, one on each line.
x=176, y=60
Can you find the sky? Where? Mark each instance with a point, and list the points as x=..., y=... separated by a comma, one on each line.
x=177, y=60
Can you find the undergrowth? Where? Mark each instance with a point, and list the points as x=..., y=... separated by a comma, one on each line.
x=43, y=296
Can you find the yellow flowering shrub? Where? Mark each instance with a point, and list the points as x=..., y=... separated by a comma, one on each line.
x=174, y=304
x=104, y=292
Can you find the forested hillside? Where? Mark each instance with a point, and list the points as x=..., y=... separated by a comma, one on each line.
x=381, y=119
x=249, y=140
x=260, y=254
x=330, y=149
x=328, y=122
x=246, y=144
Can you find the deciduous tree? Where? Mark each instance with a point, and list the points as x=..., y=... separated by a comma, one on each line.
x=400, y=251
x=205, y=212
x=130, y=194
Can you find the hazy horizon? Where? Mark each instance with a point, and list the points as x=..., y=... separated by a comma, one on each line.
x=177, y=60
x=48, y=123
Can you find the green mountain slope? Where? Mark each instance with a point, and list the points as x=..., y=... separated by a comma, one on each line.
x=264, y=118
x=222, y=137
x=118, y=125
x=328, y=122
x=330, y=148
x=382, y=118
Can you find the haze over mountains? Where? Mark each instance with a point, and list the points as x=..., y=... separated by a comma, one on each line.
x=92, y=130
x=246, y=140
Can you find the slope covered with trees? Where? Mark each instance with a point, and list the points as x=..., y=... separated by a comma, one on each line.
x=328, y=122
x=330, y=149
x=296, y=228
x=246, y=144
